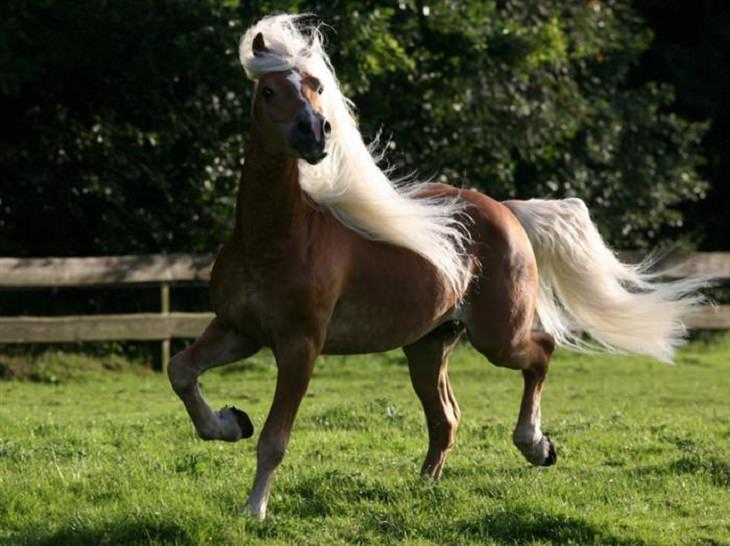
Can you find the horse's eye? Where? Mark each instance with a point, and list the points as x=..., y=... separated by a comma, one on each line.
x=320, y=89
x=267, y=92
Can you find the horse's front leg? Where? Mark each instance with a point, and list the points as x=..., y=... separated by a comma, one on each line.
x=295, y=362
x=215, y=347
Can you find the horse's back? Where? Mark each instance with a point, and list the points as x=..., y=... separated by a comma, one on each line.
x=489, y=221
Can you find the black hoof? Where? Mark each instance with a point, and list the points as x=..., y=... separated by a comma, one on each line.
x=552, y=455
x=244, y=423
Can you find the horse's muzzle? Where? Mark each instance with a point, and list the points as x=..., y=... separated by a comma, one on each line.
x=308, y=137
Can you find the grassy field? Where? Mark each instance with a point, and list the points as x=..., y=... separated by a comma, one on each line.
x=101, y=452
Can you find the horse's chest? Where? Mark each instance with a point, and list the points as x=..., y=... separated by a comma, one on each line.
x=245, y=302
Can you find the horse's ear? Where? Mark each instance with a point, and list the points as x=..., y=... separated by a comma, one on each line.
x=259, y=47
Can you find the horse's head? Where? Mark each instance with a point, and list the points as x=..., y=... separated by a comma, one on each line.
x=288, y=111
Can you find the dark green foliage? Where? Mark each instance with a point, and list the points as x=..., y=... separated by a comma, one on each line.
x=531, y=100
x=125, y=126
x=125, y=122
x=691, y=51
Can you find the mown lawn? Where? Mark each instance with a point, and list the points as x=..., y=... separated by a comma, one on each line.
x=103, y=453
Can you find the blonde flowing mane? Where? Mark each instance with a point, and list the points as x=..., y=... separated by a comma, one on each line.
x=348, y=181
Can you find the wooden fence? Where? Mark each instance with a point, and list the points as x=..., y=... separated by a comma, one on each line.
x=150, y=270
x=166, y=270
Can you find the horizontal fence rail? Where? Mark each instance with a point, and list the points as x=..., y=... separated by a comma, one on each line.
x=119, y=327
x=163, y=270
x=104, y=271
x=141, y=270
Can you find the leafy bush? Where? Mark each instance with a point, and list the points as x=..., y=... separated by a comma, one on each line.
x=127, y=120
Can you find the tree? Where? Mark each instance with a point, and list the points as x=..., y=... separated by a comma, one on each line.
x=128, y=120
x=691, y=51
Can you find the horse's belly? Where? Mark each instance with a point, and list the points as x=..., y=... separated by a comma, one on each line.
x=371, y=325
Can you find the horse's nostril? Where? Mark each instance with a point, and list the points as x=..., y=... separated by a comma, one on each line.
x=327, y=127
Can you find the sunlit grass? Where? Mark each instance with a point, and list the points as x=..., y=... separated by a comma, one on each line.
x=105, y=454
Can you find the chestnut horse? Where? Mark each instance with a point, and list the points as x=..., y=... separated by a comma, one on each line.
x=329, y=257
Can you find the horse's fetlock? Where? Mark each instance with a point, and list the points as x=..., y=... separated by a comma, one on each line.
x=206, y=434
x=526, y=438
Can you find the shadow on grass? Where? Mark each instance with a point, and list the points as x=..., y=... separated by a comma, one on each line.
x=696, y=459
x=112, y=533
x=526, y=526
x=716, y=470
x=319, y=495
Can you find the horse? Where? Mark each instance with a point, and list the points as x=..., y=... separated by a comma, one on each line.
x=328, y=255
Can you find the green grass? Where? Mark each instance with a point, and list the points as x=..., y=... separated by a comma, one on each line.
x=102, y=452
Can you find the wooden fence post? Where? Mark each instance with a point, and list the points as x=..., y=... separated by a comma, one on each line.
x=165, y=310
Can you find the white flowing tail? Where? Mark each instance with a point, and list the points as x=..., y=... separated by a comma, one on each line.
x=584, y=287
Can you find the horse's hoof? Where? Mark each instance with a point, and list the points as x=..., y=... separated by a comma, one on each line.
x=244, y=422
x=552, y=455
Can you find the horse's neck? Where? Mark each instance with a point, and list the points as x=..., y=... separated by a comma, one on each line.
x=269, y=200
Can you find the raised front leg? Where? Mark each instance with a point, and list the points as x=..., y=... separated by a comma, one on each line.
x=215, y=347
x=428, y=360
x=295, y=363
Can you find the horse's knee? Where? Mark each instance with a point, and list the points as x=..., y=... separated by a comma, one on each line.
x=180, y=372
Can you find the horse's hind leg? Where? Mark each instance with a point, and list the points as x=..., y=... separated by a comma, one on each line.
x=528, y=437
x=428, y=365
x=499, y=319
x=532, y=357
x=215, y=347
